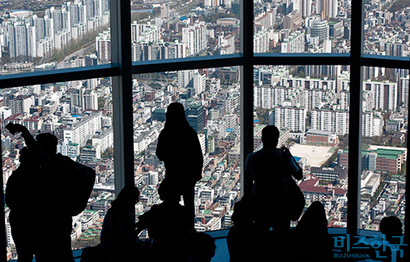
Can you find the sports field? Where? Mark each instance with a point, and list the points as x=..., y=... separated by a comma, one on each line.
x=315, y=155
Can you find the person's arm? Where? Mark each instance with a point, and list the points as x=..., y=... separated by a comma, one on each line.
x=144, y=221
x=198, y=158
x=295, y=170
x=28, y=138
x=160, y=152
x=139, y=227
x=31, y=143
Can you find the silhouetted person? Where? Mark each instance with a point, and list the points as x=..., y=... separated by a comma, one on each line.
x=118, y=235
x=201, y=247
x=19, y=198
x=310, y=238
x=51, y=220
x=179, y=148
x=268, y=175
x=245, y=240
x=168, y=225
x=391, y=227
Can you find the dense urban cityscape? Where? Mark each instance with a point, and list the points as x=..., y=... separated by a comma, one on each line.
x=309, y=104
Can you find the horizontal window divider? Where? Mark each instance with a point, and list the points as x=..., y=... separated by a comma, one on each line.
x=154, y=66
x=58, y=75
x=386, y=61
x=301, y=59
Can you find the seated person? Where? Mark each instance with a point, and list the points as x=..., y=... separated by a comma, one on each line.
x=310, y=237
x=201, y=247
x=168, y=225
x=118, y=236
x=391, y=228
x=245, y=240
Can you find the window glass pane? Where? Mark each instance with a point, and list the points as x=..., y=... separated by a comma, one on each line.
x=310, y=107
x=37, y=36
x=386, y=29
x=179, y=29
x=302, y=26
x=79, y=114
x=211, y=100
x=384, y=148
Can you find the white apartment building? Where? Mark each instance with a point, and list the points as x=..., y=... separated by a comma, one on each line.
x=385, y=94
x=269, y=96
x=344, y=100
x=69, y=149
x=105, y=139
x=194, y=36
x=294, y=43
x=103, y=46
x=372, y=124
x=261, y=42
x=313, y=98
x=292, y=118
x=404, y=90
x=90, y=100
x=145, y=32
x=320, y=29
x=309, y=83
x=230, y=120
x=199, y=83
x=84, y=129
x=185, y=76
x=335, y=121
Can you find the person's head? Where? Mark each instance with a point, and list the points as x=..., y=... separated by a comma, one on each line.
x=270, y=136
x=48, y=142
x=167, y=193
x=175, y=115
x=314, y=219
x=127, y=197
x=391, y=226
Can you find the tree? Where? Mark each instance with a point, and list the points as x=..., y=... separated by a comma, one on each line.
x=108, y=153
x=263, y=115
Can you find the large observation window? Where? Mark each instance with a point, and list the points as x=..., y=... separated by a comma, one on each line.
x=48, y=36
x=180, y=29
x=384, y=27
x=211, y=97
x=79, y=113
x=312, y=34
x=305, y=26
x=384, y=150
x=309, y=104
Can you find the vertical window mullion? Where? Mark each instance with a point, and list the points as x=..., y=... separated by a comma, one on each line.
x=407, y=199
x=122, y=93
x=3, y=234
x=355, y=120
x=246, y=84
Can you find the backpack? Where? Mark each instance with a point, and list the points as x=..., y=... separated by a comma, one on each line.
x=81, y=180
x=293, y=197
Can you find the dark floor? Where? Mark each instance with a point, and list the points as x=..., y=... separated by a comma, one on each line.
x=222, y=254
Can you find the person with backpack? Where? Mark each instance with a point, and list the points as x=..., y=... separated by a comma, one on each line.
x=269, y=175
x=58, y=191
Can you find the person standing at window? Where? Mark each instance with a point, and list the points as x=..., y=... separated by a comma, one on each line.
x=268, y=176
x=179, y=148
x=50, y=197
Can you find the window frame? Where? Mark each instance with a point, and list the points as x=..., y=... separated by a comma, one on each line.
x=122, y=68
